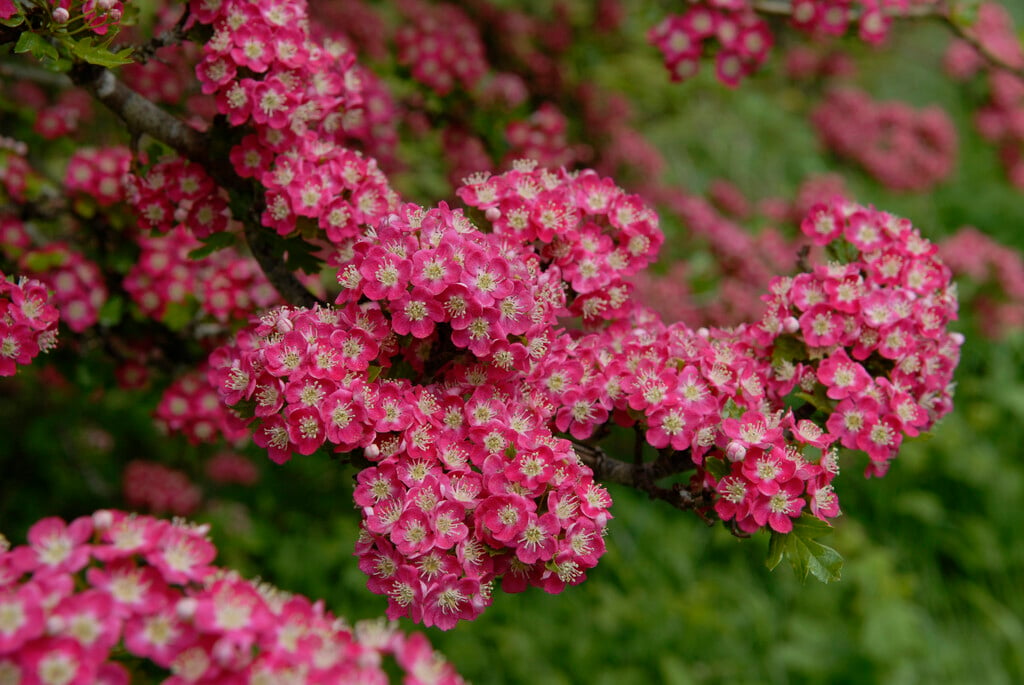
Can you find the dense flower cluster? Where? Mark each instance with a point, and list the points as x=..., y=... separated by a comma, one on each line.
x=177, y=193
x=76, y=282
x=150, y=486
x=81, y=600
x=1000, y=119
x=226, y=285
x=996, y=271
x=469, y=484
x=28, y=322
x=191, y=407
x=540, y=137
x=266, y=71
x=98, y=173
x=903, y=148
x=595, y=233
x=863, y=344
x=441, y=46
x=742, y=39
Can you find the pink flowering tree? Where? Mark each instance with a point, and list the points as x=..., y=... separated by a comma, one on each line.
x=222, y=200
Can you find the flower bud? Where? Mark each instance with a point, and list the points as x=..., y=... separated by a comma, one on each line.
x=790, y=324
x=957, y=338
x=186, y=608
x=106, y=5
x=492, y=214
x=735, y=451
x=102, y=520
x=371, y=452
x=60, y=15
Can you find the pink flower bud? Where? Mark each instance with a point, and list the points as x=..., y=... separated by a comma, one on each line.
x=957, y=338
x=704, y=332
x=60, y=15
x=371, y=452
x=790, y=324
x=492, y=214
x=186, y=608
x=102, y=520
x=106, y=5
x=735, y=451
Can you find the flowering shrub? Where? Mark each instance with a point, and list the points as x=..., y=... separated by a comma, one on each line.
x=265, y=258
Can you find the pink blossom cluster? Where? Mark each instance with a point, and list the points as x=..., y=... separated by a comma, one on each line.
x=265, y=70
x=190, y=406
x=997, y=272
x=464, y=153
x=469, y=485
x=178, y=193
x=880, y=316
x=151, y=486
x=993, y=28
x=862, y=345
x=903, y=148
x=226, y=285
x=541, y=137
x=83, y=602
x=14, y=172
x=98, y=173
x=79, y=290
x=441, y=46
x=1002, y=122
x=741, y=38
x=230, y=467
x=595, y=233
x=28, y=322
x=14, y=237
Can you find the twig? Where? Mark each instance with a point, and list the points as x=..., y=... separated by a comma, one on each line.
x=144, y=117
x=937, y=10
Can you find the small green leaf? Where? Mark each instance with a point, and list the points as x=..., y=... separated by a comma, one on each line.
x=806, y=555
x=36, y=45
x=16, y=20
x=212, y=243
x=112, y=311
x=372, y=373
x=41, y=262
x=717, y=468
x=99, y=54
x=179, y=314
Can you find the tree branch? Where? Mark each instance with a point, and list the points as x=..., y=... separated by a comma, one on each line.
x=938, y=10
x=144, y=117
x=643, y=476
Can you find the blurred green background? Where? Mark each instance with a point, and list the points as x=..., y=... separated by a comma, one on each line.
x=933, y=585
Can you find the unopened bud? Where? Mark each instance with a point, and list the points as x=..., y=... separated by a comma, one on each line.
x=106, y=5
x=957, y=338
x=492, y=214
x=102, y=519
x=790, y=324
x=186, y=608
x=735, y=451
x=704, y=332
x=60, y=15
x=371, y=452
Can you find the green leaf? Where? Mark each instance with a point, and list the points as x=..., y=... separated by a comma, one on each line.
x=212, y=243
x=16, y=20
x=112, y=311
x=806, y=555
x=41, y=262
x=717, y=468
x=372, y=373
x=36, y=45
x=180, y=314
x=99, y=54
